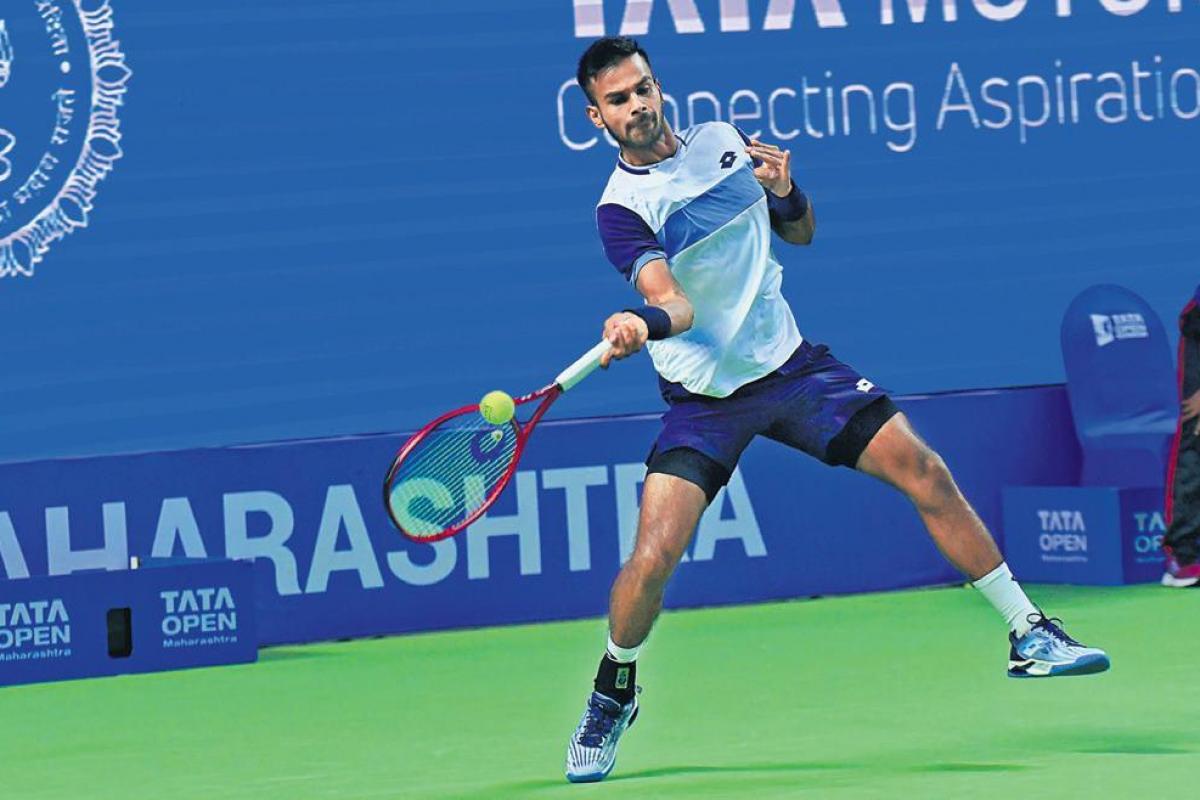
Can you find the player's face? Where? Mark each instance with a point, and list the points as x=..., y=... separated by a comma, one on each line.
x=628, y=102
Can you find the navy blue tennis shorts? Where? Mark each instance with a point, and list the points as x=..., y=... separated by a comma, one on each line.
x=813, y=403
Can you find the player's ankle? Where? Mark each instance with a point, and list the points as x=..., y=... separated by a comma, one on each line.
x=616, y=680
x=619, y=654
x=1008, y=598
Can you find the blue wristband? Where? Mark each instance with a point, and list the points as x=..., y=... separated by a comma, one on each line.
x=658, y=321
x=790, y=208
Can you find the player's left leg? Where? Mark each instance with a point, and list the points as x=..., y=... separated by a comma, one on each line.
x=898, y=456
x=1040, y=648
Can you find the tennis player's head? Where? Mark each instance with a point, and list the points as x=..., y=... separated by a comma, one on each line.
x=623, y=95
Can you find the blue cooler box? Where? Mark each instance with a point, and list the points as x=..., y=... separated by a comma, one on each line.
x=1084, y=535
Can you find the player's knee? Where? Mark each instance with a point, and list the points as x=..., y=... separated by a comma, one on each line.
x=654, y=564
x=929, y=481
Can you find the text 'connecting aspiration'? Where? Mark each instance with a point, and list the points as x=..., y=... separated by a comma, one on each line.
x=824, y=107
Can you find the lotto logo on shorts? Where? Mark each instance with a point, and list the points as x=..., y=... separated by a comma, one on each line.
x=864, y=385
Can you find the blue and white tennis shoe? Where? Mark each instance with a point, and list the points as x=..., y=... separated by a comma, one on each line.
x=1047, y=651
x=593, y=748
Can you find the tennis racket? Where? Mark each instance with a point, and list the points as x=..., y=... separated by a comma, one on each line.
x=449, y=472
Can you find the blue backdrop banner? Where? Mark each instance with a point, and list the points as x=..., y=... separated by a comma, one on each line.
x=238, y=222
x=328, y=564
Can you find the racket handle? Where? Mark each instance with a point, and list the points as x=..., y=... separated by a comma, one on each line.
x=583, y=367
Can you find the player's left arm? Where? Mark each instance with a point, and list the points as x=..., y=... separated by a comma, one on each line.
x=791, y=210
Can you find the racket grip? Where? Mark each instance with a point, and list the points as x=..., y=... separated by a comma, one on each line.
x=582, y=367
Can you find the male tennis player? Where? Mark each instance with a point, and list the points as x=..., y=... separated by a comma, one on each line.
x=687, y=218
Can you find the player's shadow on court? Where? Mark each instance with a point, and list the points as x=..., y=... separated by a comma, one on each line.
x=765, y=771
x=1119, y=742
x=678, y=771
x=290, y=654
x=1138, y=744
x=964, y=766
x=733, y=769
x=814, y=766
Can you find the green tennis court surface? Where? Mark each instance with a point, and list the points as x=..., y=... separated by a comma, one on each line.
x=897, y=695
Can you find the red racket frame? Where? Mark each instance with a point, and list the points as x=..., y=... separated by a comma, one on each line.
x=547, y=394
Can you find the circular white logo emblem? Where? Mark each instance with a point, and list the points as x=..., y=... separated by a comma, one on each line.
x=62, y=78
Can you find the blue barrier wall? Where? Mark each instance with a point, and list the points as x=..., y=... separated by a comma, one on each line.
x=340, y=217
x=330, y=565
x=195, y=615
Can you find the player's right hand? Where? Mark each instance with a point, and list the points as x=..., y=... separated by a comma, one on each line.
x=627, y=333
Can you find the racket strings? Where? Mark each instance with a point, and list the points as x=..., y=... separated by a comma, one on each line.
x=449, y=474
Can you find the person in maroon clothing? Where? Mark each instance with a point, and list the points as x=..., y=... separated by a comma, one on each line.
x=1182, y=541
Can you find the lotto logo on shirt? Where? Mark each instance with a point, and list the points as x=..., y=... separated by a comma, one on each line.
x=1113, y=327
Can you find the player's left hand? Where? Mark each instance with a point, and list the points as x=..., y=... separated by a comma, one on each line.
x=775, y=171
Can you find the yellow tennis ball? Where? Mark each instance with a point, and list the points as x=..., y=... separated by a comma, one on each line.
x=497, y=407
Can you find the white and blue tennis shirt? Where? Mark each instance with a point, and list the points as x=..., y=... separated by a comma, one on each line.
x=705, y=213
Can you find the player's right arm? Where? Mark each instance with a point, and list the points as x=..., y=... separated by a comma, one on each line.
x=627, y=332
x=637, y=254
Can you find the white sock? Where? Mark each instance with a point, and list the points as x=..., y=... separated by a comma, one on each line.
x=622, y=655
x=1005, y=594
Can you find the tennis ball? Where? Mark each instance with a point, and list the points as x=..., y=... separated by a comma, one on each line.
x=497, y=407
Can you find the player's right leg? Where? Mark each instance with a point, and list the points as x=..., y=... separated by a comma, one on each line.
x=671, y=508
x=1038, y=646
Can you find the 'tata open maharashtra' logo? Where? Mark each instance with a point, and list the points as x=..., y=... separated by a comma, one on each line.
x=61, y=72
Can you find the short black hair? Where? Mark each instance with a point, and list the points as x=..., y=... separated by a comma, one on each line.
x=602, y=54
